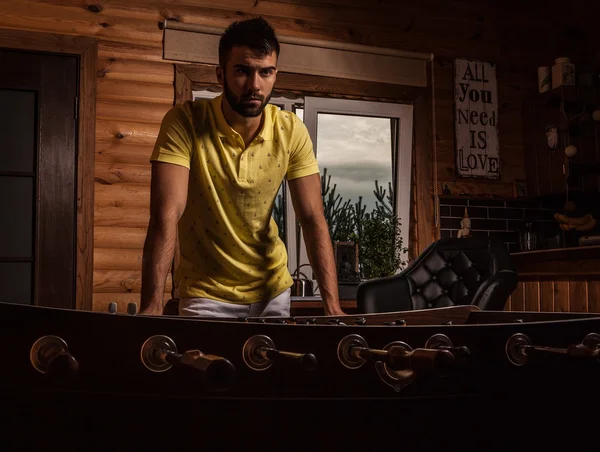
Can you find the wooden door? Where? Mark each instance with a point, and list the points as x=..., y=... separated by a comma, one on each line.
x=38, y=126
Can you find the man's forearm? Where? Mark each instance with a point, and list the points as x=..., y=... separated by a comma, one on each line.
x=156, y=262
x=320, y=255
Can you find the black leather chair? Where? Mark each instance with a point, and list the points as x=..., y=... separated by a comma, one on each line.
x=466, y=271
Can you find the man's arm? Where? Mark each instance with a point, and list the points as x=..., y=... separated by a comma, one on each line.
x=168, y=197
x=308, y=205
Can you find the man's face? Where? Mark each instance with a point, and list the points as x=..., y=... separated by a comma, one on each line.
x=248, y=80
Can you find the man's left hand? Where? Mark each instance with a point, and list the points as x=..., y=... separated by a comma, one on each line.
x=335, y=312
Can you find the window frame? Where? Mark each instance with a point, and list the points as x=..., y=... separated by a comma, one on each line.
x=404, y=139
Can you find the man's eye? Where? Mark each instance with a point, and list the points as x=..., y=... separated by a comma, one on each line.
x=266, y=72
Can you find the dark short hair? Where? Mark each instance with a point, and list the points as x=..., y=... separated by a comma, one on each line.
x=257, y=34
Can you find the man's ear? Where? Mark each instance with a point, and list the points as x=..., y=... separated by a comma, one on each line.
x=220, y=75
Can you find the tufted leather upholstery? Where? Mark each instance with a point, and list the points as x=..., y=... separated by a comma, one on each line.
x=449, y=272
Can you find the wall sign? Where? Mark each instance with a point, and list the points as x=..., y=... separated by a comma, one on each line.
x=476, y=119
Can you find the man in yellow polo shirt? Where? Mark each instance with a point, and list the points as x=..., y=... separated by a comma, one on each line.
x=216, y=169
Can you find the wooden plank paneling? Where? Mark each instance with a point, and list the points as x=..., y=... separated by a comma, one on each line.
x=119, y=237
x=125, y=90
x=118, y=259
x=127, y=50
x=564, y=295
x=183, y=86
x=544, y=110
x=123, y=152
x=423, y=140
x=121, y=281
x=564, y=262
x=567, y=279
x=532, y=295
x=129, y=132
x=142, y=112
x=38, y=16
x=123, y=195
x=547, y=296
x=561, y=296
x=135, y=70
x=134, y=94
x=578, y=297
x=85, y=184
x=594, y=296
x=112, y=173
x=129, y=217
x=102, y=300
x=413, y=248
x=518, y=297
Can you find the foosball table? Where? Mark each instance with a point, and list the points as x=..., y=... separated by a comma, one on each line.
x=449, y=377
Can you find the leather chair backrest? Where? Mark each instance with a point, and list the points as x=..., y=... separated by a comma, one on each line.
x=449, y=272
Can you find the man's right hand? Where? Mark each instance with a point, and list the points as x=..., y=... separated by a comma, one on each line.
x=151, y=310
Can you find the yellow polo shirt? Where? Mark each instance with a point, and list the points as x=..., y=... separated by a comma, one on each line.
x=229, y=243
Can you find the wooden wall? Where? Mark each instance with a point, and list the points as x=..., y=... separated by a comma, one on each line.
x=568, y=108
x=561, y=280
x=135, y=86
x=560, y=294
x=133, y=95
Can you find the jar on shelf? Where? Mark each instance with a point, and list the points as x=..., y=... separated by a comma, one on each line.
x=543, y=79
x=563, y=73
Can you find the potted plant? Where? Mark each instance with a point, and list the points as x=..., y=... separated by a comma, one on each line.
x=376, y=233
x=380, y=245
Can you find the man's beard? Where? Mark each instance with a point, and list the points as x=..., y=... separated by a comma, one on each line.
x=241, y=105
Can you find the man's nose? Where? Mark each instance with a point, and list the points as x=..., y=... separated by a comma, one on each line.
x=254, y=81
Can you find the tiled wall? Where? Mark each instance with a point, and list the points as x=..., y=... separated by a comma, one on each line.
x=500, y=219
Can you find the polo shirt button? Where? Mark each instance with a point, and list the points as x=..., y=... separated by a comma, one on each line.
x=242, y=157
x=233, y=154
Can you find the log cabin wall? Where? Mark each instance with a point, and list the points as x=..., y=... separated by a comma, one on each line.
x=556, y=294
x=560, y=280
x=133, y=96
x=135, y=86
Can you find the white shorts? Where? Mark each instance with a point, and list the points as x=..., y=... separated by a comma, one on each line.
x=205, y=307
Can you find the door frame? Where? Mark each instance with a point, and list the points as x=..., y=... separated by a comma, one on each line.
x=86, y=49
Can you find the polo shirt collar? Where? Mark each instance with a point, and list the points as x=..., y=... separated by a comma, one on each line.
x=226, y=131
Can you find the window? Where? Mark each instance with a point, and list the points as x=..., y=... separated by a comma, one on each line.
x=362, y=147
